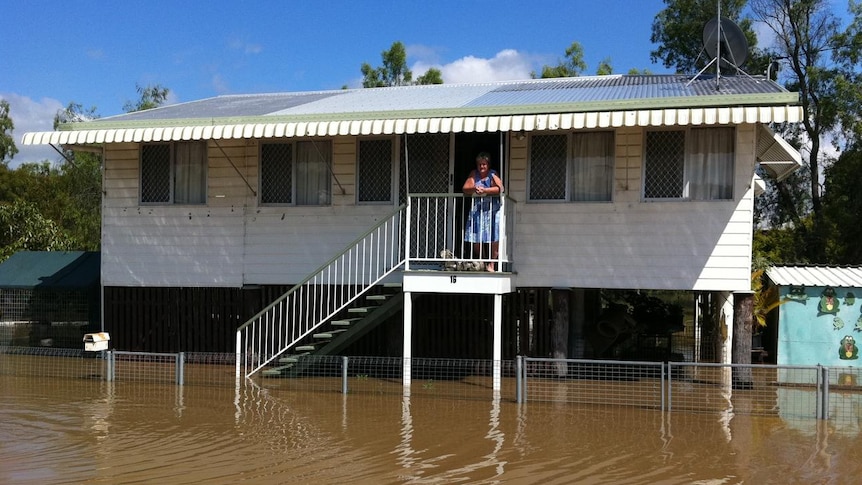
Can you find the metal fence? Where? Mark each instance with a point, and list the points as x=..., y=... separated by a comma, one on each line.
x=789, y=392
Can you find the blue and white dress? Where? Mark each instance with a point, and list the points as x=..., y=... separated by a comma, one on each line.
x=483, y=221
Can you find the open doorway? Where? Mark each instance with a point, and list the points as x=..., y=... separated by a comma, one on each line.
x=467, y=146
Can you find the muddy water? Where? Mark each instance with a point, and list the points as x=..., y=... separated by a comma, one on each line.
x=55, y=431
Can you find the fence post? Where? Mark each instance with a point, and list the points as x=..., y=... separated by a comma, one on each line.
x=669, y=403
x=823, y=377
x=665, y=381
x=519, y=366
x=181, y=358
x=110, y=374
x=344, y=374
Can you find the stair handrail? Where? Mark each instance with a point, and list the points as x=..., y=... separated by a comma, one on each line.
x=279, y=326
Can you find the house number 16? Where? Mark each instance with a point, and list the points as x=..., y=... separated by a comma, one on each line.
x=452, y=279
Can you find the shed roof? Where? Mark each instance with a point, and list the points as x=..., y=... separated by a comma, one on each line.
x=51, y=269
x=804, y=275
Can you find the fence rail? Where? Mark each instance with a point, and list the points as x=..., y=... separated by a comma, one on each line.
x=789, y=392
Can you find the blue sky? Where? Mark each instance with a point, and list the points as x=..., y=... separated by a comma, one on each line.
x=95, y=53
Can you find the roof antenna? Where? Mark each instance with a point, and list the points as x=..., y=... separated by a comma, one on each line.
x=726, y=45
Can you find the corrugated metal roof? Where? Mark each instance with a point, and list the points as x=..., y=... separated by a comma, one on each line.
x=541, y=104
x=835, y=276
x=51, y=269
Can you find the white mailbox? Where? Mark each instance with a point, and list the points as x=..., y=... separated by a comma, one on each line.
x=96, y=341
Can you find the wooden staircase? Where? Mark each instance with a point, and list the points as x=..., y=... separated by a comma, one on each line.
x=339, y=333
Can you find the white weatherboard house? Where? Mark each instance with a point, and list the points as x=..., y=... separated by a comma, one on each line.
x=615, y=182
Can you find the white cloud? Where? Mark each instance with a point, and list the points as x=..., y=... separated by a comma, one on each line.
x=30, y=115
x=506, y=65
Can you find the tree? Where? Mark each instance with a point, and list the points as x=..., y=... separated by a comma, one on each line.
x=431, y=76
x=572, y=65
x=842, y=205
x=25, y=229
x=805, y=32
x=393, y=72
x=605, y=67
x=7, y=143
x=149, y=97
x=678, y=31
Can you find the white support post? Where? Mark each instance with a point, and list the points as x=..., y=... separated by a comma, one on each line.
x=408, y=341
x=498, y=344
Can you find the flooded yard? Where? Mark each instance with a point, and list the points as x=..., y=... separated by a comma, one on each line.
x=88, y=431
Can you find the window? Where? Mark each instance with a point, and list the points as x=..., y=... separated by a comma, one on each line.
x=296, y=173
x=574, y=167
x=695, y=164
x=174, y=173
x=374, y=171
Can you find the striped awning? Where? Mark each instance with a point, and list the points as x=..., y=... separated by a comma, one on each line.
x=398, y=126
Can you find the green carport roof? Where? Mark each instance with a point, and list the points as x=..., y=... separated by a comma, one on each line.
x=51, y=269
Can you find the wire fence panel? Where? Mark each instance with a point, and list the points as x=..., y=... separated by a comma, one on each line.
x=744, y=389
x=619, y=383
x=787, y=392
x=844, y=401
x=52, y=362
x=145, y=367
x=209, y=369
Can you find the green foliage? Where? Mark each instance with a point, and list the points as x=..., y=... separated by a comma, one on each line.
x=393, y=72
x=571, y=65
x=765, y=299
x=431, y=76
x=842, y=205
x=74, y=113
x=7, y=143
x=150, y=97
x=23, y=228
x=605, y=67
x=678, y=32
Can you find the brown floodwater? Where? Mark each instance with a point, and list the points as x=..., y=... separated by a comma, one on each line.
x=79, y=431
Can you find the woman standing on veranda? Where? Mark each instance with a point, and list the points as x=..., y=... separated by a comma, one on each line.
x=483, y=221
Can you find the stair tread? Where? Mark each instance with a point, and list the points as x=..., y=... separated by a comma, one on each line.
x=345, y=321
x=329, y=334
x=276, y=370
x=306, y=348
x=363, y=309
x=377, y=297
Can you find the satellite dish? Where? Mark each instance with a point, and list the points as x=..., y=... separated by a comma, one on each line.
x=724, y=41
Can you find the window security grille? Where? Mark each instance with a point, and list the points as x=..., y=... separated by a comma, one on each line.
x=156, y=173
x=429, y=165
x=276, y=173
x=375, y=171
x=664, y=164
x=548, y=162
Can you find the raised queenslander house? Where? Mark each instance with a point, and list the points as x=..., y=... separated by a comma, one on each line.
x=260, y=223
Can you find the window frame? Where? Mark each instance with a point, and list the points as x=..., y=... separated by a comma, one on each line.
x=294, y=168
x=571, y=162
x=688, y=147
x=172, y=175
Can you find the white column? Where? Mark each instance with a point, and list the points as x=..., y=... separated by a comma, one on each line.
x=408, y=341
x=498, y=344
x=726, y=320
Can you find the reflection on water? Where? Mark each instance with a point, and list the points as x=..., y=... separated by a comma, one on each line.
x=87, y=431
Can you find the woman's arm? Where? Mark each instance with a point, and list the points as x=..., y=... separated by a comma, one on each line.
x=469, y=187
x=498, y=184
